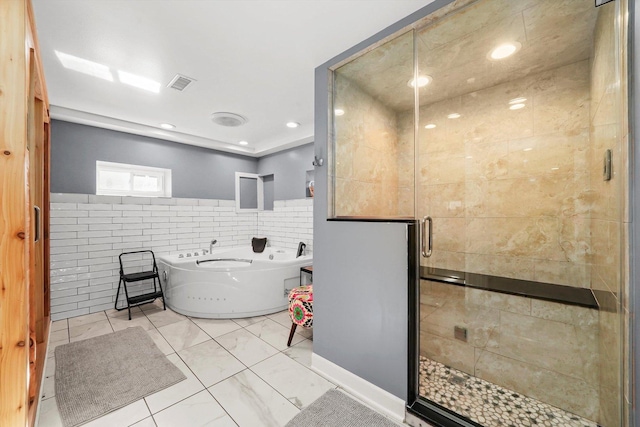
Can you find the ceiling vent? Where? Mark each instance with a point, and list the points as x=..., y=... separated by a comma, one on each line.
x=228, y=119
x=180, y=82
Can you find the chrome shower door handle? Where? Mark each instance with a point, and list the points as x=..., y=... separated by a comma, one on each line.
x=427, y=248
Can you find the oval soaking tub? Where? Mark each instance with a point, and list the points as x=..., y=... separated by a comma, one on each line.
x=230, y=283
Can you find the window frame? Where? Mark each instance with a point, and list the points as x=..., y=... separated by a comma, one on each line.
x=164, y=175
x=260, y=189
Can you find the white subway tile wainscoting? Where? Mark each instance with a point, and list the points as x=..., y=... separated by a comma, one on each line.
x=89, y=232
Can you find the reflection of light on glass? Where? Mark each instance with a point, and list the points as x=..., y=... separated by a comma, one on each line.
x=112, y=180
x=453, y=116
x=339, y=112
x=430, y=126
x=505, y=50
x=145, y=183
x=517, y=106
x=528, y=149
x=422, y=81
x=84, y=66
x=517, y=100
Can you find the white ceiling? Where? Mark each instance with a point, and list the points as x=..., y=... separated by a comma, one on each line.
x=251, y=57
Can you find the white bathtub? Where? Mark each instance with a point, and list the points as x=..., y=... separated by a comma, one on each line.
x=230, y=283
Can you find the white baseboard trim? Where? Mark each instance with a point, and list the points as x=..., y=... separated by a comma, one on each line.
x=372, y=395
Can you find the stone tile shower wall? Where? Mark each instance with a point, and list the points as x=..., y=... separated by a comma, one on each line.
x=366, y=150
x=542, y=349
x=509, y=189
x=88, y=233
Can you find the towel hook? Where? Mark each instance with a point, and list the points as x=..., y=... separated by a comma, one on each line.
x=317, y=161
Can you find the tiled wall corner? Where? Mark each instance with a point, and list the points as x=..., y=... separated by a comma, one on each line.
x=89, y=232
x=290, y=223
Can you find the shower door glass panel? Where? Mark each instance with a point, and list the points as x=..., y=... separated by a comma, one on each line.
x=519, y=103
x=371, y=172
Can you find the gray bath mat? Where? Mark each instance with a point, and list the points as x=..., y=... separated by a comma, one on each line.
x=101, y=374
x=335, y=408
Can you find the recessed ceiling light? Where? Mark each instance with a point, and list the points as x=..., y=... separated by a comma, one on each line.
x=84, y=66
x=453, y=116
x=243, y=143
x=554, y=169
x=517, y=106
x=293, y=125
x=139, y=81
x=430, y=126
x=339, y=112
x=517, y=100
x=167, y=126
x=422, y=81
x=528, y=149
x=504, y=50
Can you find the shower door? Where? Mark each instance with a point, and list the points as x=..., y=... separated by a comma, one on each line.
x=519, y=111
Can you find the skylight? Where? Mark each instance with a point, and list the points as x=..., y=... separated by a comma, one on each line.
x=84, y=66
x=139, y=81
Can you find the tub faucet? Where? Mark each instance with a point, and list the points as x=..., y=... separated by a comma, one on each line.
x=301, y=249
x=213, y=242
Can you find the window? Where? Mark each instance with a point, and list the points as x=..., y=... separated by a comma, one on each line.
x=119, y=179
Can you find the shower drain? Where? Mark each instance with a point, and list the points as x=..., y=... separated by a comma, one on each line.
x=456, y=379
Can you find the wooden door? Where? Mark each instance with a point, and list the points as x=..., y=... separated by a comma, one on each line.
x=37, y=279
x=24, y=172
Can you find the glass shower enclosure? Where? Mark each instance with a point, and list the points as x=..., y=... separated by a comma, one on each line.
x=501, y=126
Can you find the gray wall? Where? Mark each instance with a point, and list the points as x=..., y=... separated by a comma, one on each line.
x=248, y=193
x=196, y=172
x=360, y=269
x=361, y=300
x=289, y=168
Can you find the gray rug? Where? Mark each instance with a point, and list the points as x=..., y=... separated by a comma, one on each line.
x=337, y=409
x=101, y=374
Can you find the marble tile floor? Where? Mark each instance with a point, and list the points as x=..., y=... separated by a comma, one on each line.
x=487, y=403
x=239, y=373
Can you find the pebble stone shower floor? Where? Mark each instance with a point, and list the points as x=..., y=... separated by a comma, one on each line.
x=487, y=403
